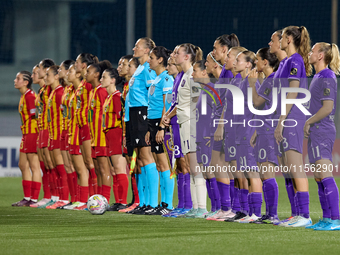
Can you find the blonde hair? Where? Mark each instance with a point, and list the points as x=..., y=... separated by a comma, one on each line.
x=238, y=49
x=302, y=44
x=250, y=57
x=332, y=57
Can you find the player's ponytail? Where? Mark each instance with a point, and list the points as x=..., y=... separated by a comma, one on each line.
x=27, y=76
x=331, y=56
x=149, y=43
x=199, y=53
x=195, y=52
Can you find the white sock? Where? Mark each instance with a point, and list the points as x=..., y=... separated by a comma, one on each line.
x=27, y=198
x=54, y=198
x=193, y=192
x=201, y=191
x=34, y=200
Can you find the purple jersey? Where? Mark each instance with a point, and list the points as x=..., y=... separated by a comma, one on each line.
x=177, y=80
x=293, y=69
x=323, y=87
x=265, y=91
x=243, y=131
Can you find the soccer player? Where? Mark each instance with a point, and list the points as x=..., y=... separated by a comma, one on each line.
x=95, y=118
x=262, y=138
x=321, y=132
x=138, y=124
x=64, y=142
x=28, y=157
x=82, y=181
x=159, y=99
x=296, y=42
x=82, y=95
x=55, y=126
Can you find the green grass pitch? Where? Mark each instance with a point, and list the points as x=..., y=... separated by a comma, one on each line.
x=42, y=231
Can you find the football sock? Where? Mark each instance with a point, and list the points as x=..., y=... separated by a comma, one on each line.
x=243, y=197
x=45, y=181
x=216, y=193
x=134, y=189
x=71, y=186
x=187, y=191
x=326, y=211
x=26, y=185
x=236, y=205
x=193, y=192
x=115, y=188
x=140, y=187
x=256, y=203
x=169, y=185
x=106, y=192
x=201, y=191
x=332, y=196
x=35, y=190
x=224, y=190
x=291, y=195
x=180, y=190
x=145, y=186
x=271, y=195
x=64, y=190
x=303, y=203
x=123, y=188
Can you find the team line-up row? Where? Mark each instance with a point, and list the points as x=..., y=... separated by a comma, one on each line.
x=84, y=131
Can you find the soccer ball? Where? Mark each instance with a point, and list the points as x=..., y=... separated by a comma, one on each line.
x=97, y=204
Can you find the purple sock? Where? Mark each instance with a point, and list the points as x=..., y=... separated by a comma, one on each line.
x=236, y=206
x=271, y=192
x=265, y=196
x=215, y=193
x=296, y=202
x=180, y=193
x=303, y=203
x=326, y=210
x=186, y=191
x=243, y=196
x=291, y=195
x=224, y=190
x=332, y=196
x=232, y=191
x=210, y=195
x=257, y=203
x=250, y=203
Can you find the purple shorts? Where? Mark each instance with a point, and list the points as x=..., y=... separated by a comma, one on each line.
x=246, y=158
x=177, y=141
x=217, y=145
x=320, y=146
x=264, y=149
x=230, y=147
x=293, y=137
x=203, y=153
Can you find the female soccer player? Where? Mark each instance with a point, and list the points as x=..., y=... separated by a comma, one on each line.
x=321, y=132
x=262, y=139
x=159, y=99
x=74, y=140
x=55, y=126
x=28, y=158
x=82, y=95
x=295, y=41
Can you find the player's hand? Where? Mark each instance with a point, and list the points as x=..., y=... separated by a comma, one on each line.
x=253, y=140
x=252, y=77
x=166, y=121
x=218, y=135
x=160, y=136
x=147, y=138
x=278, y=133
x=208, y=142
x=306, y=130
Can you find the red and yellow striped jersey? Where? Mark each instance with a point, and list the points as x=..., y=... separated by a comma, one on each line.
x=83, y=96
x=65, y=100
x=98, y=96
x=72, y=122
x=46, y=91
x=27, y=113
x=39, y=109
x=54, y=113
x=112, y=111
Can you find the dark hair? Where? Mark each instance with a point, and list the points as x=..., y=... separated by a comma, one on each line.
x=37, y=65
x=162, y=52
x=54, y=68
x=228, y=40
x=250, y=57
x=149, y=43
x=113, y=72
x=201, y=64
x=279, y=33
x=67, y=63
x=88, y=58
x=135, y=62
x=270, y=57
x=47, y=62
x=101, y=67
x=27, y=76
x=195, y=51
x=128, y=57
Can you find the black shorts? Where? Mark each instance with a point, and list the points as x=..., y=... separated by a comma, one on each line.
x=138, y=126
x=128, y=139
x=153, y=128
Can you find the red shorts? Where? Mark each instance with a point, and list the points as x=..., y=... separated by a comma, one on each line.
x=64, y=145
x=98, y=151
x=114, y=141
x=43, y=139
x=74, y=150
x=28, y=143
x=54, y=144
x=84, y=134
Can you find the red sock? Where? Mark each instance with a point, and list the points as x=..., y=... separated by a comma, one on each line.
x=53, y=183
x=84, y=193
x=78, y=193
x=71, y=186
x=99, y=190
x=94, y=181
x=76, y=187
x=45, y=181
x=64, y=191
x=106, y=191
x=26, y=185
x=91, y=191
x=134, y=188
x=123, y=187
x=115, y=188
x=35, y=190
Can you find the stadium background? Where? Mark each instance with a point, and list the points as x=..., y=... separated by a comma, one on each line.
x=31, y=30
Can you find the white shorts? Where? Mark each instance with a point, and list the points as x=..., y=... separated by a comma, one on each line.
x=187, y=131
